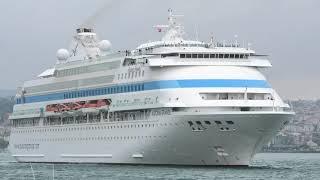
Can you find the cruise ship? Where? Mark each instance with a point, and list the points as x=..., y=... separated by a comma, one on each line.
x=167, y=102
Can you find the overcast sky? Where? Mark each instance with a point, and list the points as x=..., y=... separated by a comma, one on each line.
x=287, y=30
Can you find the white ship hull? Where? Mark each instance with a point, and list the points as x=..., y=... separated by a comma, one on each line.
x=168, y=140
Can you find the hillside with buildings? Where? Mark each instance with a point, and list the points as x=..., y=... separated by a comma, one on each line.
x=6, y=105
x=302, y=134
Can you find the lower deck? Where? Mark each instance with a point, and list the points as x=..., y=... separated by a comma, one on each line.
x=225, y=139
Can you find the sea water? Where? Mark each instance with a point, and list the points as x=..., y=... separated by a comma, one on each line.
x=264, y=166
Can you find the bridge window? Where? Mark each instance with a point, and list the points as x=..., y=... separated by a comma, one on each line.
x=212, y=56
x=169, y=55
x=206, y=55
x=194, y=56
x=237, y=56
x=188, y=55
x=182, y=55
x=200, y=55
x=226, y=56
x=231, y=55
x=220, y=56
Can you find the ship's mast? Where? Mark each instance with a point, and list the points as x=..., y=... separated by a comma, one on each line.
x=173, y=30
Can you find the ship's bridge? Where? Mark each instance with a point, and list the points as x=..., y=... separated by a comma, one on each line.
x=179, y=51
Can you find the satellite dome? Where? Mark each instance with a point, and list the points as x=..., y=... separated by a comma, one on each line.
x=105, y=45
x=63, y=54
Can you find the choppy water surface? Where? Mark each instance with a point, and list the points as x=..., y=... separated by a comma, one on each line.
x=264, y=166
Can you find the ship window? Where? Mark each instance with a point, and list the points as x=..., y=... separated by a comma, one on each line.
x=190, y=123
x=198, y=122
x=241, y=56
x=230, y=122
x=212, y=56
x=226, y=55
x=218, y=122
x=206, y=55
x=142, y=73
x=194, y=55
x=182, y=55
x=237, y=56
x=231, y=55
x=125, y=75
x=188, y=55
x=200, y=55
x=169, y=55
x=208, y=122
x=245, y=109
x=220, y=56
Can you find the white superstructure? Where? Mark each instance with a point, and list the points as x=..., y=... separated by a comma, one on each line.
x=172, y=101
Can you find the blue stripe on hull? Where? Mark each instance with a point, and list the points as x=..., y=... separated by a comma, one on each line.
x=145, y=86
x=205, y=83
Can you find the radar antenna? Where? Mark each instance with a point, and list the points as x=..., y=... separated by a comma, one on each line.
x=173, y=30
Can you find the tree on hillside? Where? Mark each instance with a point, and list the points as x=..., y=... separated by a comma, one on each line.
x=6, y=105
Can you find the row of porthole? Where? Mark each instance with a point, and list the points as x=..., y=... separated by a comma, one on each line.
x=100, y=138
x=97, y=127
x=210, y=123
x=220, y=124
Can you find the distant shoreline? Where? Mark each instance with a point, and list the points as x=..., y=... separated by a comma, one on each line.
x=289, y=152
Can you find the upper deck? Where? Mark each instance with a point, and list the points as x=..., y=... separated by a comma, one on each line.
x=90, y=62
